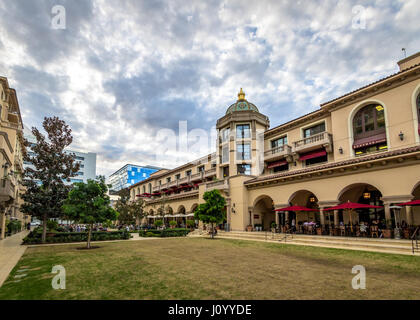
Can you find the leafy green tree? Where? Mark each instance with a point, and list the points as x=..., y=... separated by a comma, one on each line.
x=212, y=210
x=51, y=168
x=129, y=211
x=89, y=203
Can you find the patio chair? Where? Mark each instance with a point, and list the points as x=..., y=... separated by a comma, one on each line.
x=342, y=231
x=374, y=230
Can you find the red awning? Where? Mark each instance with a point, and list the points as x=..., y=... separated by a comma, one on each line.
x=296, y=208
x=411, y=203
x=369, y=141
x=312, y=155
x=352, y=205
x=276, y=164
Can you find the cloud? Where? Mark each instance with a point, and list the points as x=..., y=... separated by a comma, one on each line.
x=121, y=72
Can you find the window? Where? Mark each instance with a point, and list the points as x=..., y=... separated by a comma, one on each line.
x=369, y=121
x=150, y=188
x=279, y=142
x=316, y=160
x=314, y=130
x=372, y=148
x=160, y=182
x=178, y=176
x=225, y=172
x=242, y=131
x=244, y=169
x=225, y=135
x=188, y=173
x=418, y=111
x=281, y=168
x=243, y=151
x=168, y=179
x=132, y=173
x=200, y=169
x=80, y=173
x=225, y=154
x=79, y=158
x=144, y=189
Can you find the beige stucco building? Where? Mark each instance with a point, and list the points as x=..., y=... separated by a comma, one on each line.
x=11, y=157
x=360, y=147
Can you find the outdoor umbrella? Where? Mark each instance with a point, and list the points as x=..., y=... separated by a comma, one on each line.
x=411, y=203
x=296, y=208
x=350, y=206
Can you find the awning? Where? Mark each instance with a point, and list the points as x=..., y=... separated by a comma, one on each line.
x=190, y=215
x=312, y=155
x=369, y=141
x=276, y=164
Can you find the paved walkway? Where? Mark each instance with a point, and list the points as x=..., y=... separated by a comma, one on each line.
x=10, y=253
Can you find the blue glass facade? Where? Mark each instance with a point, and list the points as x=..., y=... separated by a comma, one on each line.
x=129, y=175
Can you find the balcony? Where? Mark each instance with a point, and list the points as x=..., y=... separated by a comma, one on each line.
x=197, y=176
x=222, y=185
x=317, y=141
x=210, y=173
x=156, y=189
x=7, y=190
x=184, y=180
x=278, y=153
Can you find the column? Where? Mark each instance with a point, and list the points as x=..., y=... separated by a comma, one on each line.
x=409, y=215
x=2, y=222
x=336, y=222
x=277, y=219
x=252, y=218
x=322, y=216
x=387, y=213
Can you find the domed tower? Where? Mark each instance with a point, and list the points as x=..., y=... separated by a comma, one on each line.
x=241, y=139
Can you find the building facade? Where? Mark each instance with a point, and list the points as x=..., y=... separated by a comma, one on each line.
x=361, y=147
x=87, y=161
x=129, y=175
x=11, y=158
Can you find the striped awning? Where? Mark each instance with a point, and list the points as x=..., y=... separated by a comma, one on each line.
x=276, y=164
x=312, y=155
x=369, y=141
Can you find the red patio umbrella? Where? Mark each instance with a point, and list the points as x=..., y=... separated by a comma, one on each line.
x=350, y=206
x=296, y=208
x=411, y=203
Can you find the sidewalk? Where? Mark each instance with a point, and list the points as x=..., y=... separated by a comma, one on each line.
x=10, y=253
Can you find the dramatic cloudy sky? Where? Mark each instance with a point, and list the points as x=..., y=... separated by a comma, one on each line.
x=124, y=70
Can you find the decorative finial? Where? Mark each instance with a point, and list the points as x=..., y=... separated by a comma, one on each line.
x=241, y=95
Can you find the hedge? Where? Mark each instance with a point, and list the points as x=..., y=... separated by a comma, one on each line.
x=64, y=237
x=179, y=232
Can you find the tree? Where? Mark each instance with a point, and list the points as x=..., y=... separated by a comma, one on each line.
x=45, y=183
x=129, y=211
x=212, y=210
x=89, y=203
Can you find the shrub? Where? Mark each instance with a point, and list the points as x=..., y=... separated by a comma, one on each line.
x=158, y=223
x=34, y=237
x=191, y=223
x=52, y=225
x=179, y=232
x=14, y=226
x=172, y=223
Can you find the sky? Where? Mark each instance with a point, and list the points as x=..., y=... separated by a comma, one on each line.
x=123, y=74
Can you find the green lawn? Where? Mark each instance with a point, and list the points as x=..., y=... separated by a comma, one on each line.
x=198, y=268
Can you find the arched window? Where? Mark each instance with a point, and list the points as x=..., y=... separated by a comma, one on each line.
x=150, y=188
x=369, y=129
x=418, y=112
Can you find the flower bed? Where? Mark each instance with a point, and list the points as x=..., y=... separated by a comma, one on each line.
x=63, y=237
x=180, y=232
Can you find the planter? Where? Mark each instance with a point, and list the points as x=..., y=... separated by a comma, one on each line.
x=249, y=228
x=319, y=231
x=273, y=230
x=387, y=233
x=397, y=233
x=406, y=234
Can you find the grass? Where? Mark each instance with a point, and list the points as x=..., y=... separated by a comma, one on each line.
x=198, y=268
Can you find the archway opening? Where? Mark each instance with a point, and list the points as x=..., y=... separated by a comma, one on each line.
x=303, y=221
x=365, y=194
x=264, y=214
x=415, y=210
